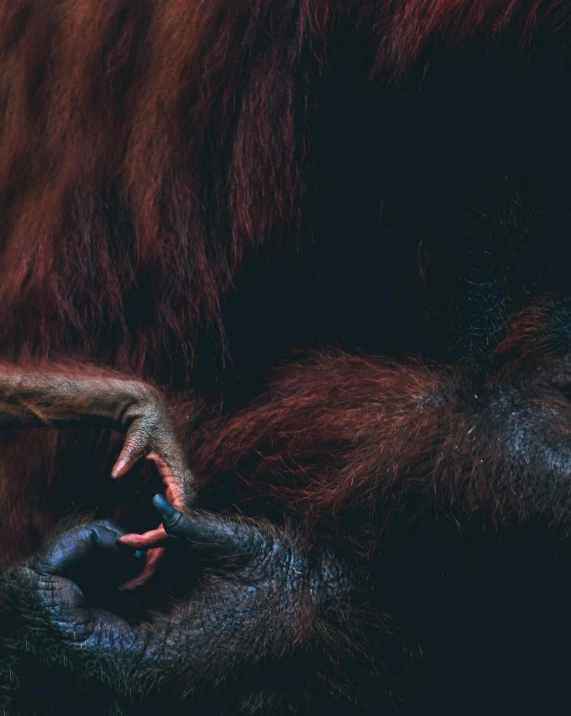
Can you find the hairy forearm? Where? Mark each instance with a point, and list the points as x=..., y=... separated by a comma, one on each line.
x=344, y=431
x=59, y=396
x=51, y=395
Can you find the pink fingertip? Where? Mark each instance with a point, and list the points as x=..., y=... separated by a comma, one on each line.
x=119, y=469
x=132, y=540
x=132, y=584
x=153, y=558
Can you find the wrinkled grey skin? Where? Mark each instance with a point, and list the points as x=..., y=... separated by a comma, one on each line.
x=259, y=593
x=258, y=597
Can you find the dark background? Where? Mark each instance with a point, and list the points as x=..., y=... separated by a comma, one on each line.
x=437, y=208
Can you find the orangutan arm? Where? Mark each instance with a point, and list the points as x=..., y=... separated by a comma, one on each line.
x=66, y=396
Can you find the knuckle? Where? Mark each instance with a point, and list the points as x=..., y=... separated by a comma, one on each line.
x=20, y=576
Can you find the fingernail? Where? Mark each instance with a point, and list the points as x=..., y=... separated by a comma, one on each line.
x=169, y=514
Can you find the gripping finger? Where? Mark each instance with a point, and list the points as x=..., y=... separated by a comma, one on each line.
x=90, y=557
x=132, y=451
x=148, y=540
x=77, y=546
x=153, y=558
x=226, y=537
x=173, y=475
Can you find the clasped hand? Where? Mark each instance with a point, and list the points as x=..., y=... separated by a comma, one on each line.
x=253, y=580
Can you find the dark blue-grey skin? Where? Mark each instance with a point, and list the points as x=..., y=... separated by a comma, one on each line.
x=260, y=594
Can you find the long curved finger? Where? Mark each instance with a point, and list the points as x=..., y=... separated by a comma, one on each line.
x=85, y=553
x=172, y=478
x=227, y=537
x=153, y=558
x=131, y=453
x=147, y=540
x=73, y=548
x=151, y=541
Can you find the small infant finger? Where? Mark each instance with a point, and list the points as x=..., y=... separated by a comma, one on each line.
x=147, y=540
x=154, y=556
x=128, y=457
x=171, y=479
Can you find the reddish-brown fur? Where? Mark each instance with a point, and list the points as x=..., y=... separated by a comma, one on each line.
x=346, y=435
x=338, y=432
x=146, y=148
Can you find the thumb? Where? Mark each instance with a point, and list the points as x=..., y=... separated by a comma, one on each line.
x=227, y=537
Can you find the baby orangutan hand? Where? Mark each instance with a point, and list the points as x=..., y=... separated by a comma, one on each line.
x=52, y=395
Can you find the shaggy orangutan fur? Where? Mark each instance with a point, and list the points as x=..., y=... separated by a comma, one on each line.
x=155, y=155
x=353, y=435
x=147, y=147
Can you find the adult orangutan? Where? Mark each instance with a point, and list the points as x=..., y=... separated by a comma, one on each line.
x=312, y=258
